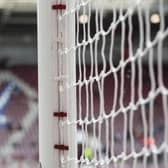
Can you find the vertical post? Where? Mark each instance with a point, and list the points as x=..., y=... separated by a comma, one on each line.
x=47, y=89
x=71, y=63
x=56, y=102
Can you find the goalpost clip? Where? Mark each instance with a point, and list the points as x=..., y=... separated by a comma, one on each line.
x=60, y=114
x=61, y=147
x=59, y=7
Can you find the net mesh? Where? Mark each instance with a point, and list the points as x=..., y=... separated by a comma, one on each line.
x=121, y=85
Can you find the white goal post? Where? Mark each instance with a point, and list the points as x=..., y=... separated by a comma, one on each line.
x=55, y=71
x=102, y=83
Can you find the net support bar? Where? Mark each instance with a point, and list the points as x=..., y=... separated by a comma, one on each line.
x=56, y=143
x=47, y=89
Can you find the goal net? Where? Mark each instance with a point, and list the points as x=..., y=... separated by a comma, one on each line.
x=103, y=83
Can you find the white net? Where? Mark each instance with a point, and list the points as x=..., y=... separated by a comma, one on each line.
x=121, y=85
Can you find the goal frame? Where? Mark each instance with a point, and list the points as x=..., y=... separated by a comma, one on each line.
x=48, y=86
x=57, y=51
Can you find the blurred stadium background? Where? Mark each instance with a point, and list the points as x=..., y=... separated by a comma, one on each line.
x=18, y=84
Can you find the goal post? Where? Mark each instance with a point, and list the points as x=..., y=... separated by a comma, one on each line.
x=46, y=88
x=55, y=70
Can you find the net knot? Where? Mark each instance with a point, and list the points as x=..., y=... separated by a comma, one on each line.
x=149, y=44
x=160, y=35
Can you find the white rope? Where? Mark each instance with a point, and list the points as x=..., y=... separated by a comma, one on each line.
x=94, y=118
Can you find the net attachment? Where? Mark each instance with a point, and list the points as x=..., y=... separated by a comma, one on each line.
x=59, y=7
x=61, y=147
x=60, y=114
